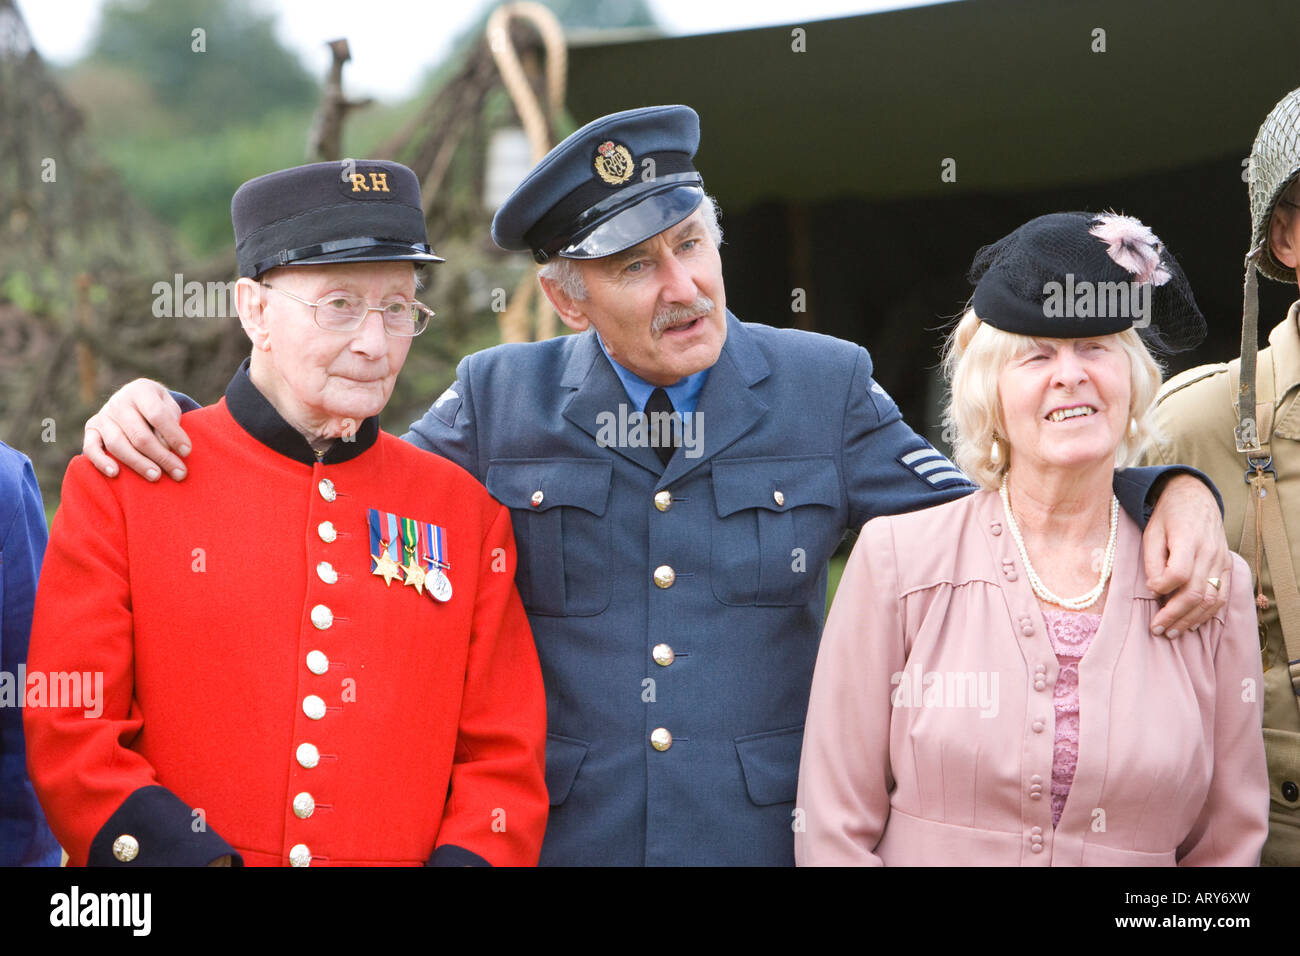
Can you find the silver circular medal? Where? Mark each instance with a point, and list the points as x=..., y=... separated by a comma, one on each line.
x=436, y=584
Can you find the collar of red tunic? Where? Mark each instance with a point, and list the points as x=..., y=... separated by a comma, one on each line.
x=258, y=417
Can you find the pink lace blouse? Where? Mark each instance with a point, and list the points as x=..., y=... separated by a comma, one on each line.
x=1071, y=633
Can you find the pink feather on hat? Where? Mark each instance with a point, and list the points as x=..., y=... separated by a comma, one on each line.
x=1132, y=245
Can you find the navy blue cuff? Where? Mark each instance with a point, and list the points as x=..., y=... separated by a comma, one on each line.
x=1137, y=492
x=159, y=826
x=451, y=855
x=186, y=403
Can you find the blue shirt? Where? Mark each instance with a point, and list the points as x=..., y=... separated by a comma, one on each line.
x=25, y=838
x=684, y=395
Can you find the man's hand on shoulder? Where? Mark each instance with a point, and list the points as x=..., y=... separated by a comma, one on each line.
x=1183, y=548
x=139, y=426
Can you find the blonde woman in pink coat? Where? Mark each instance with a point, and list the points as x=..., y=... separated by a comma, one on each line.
x=987, y=690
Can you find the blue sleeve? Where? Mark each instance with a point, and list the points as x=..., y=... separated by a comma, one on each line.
x=449, y=855
x=1136, y=491
x=163, y=826
x=888, y=468
x=25, y=838
x=186, y=403
x=447, y=428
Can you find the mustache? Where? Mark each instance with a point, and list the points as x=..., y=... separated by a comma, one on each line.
x=673, y=314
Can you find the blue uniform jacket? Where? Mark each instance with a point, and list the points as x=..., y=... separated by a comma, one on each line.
x=25, y=838
x=694, y=625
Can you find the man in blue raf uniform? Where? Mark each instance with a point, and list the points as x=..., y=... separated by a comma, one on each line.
x=676, y=607
x=674, y=566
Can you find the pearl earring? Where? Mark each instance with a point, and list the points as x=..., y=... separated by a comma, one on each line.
x=1132, y=428
x=995, y=453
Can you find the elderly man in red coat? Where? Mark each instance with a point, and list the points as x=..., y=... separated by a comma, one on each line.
x=312, y=651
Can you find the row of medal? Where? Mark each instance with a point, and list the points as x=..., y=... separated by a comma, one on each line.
x=415, y=551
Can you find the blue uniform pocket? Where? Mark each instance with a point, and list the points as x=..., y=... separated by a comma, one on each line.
x=770, y=762
x=557, y=508
x=776, y=526
x=564, y=755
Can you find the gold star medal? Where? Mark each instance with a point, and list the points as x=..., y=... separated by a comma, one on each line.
x=383, y=530
x=414, y=572
x=385, y=566
x=414, y=575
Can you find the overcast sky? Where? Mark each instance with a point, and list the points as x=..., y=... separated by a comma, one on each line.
x=416, y=33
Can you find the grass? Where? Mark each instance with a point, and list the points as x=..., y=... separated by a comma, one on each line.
x=833, y=577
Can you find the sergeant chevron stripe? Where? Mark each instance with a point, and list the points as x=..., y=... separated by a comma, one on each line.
x=930, y=465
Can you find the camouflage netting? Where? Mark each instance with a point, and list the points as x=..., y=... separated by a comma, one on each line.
x=1274, y=164
x=80, y=259
x=79, y=314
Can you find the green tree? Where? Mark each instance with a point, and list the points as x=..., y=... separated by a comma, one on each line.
x=234, y=70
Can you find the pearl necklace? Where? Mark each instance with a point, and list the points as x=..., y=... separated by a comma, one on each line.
x=1040, y=589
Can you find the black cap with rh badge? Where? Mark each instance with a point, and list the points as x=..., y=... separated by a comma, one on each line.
x=346, y=211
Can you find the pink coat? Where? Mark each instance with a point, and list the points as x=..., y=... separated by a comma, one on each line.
x=929, y=738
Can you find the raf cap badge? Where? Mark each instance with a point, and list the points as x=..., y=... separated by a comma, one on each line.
x=613, y=163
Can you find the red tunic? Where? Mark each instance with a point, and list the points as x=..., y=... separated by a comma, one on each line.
x=196, y=601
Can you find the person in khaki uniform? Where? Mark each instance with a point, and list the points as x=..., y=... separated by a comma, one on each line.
x=1255, y=460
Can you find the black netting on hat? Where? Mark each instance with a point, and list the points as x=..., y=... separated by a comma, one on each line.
x=1078, y=274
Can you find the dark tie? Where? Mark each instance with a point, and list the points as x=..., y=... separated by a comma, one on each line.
x=660, y=402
